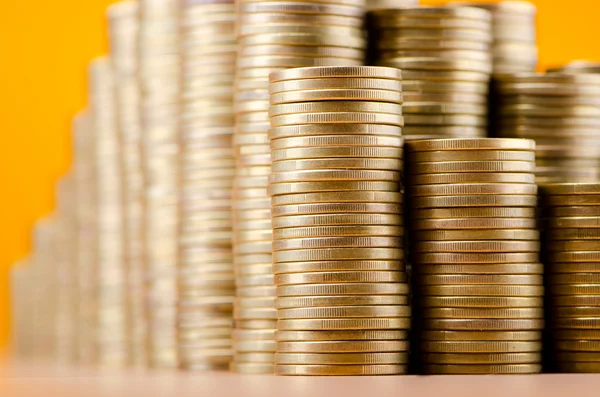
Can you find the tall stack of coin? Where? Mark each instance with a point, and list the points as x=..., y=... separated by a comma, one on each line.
x=578, y=66
x=206, y=286
x=109, y=340
x=561, y=113
x=123, y=32
x=514, y=49
x=444, y=54
x=475, y=253
x=273, y=35
x=338, y=249
x=572, y=257
x=21, y=294
x=158, y=66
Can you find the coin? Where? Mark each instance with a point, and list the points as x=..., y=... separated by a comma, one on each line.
x=481, y=269
x=454, y=190
x=488, y=324
x=306, y=209
x=251, y=368
x=341, y=358
x=375, y=95
x=589, y=311
x=338, y=117
x=343, y=289
x=303, y=255
x=468, y=336
x=318, y=129
x=573, y=234
x=480, y=313
x=343, y=324
x=334, y=185
x=466, y=369
x=338, y=370
x=479, y=201
x=344, y=312
x=474, y=223
x=480, y=279
x=323, y=301
x=481, y=358
x=579, y=367
x=332, y=219
x=576, y=334
x=462, y=155
x=340, y=335
x=342, y=346
x=338, y=197
x=493, y=234
x=472, y=166
x=476, y=246
x=475, y=177
x=331, y=175
x=332, y=231
x=336, y=83
x=346, y=265
x=337, y=72
x=481, y=346
x=575, y=300
x=337, y=106
x=338, y=277
x=471, y=144
x=342, y=151
x=483, y=290
x=577, y=345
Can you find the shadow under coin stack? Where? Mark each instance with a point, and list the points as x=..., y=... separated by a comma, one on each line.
x=444, y=54
x=206, y=285
x=158, y=66
x=273, y=35
x=561, y=113
x=571, y=214
x=474, y=249
x=342, y=293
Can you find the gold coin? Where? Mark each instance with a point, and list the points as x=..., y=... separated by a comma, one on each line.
x=436, y=13
x=492, y=212
x=341, y=151
x=481, y=269
x=471, y=144
x=573, y=234
x=323, y=301
x=342, y=346
x=479, y=369
x=481, y=346
x=343, y=312
x=301, y=8
x=484, y=324
x=333, y=231
x=431, y=23
x=339, y=370
x=577, y=345
x=335, y=106
x=318, y=129
x=376, y=95
x=477, y=201
x=474, y=223
x=469, y=189
x=326, y=254
x=450, y=178
x=253, y=357
x=445, y=119
x=360, y=72
x=571, y=189
x=254, y=346
x=575, y=300
x=295, y=50
x=483, y=313
x=353, y=83
x=342, y=358
x=471, y=166
x=575, y=256
x=306, y=209
x=576, y=334
x=575, y=289
x=481, y=358
x=334, y=175
x=418, y=132
x=574, y=278
x=336, y=219
x=424, y=86
x=462, y=155
x=338, y=118
x=255, y=324
x=574, y=223
x=344, y=324
x=338, y=197
x=253, y=334
x=333, y=185
x=338, y=242
x=340, y=277
x=256, y=292
x=481, y=279
x=469, y=336
x=443, y=108
x=575, y=211
x=589, y=311
x=335, y=140
x=251, y=368
x=272, y=28
x=387, y=43
x=483, y=290
x=322, y=266
x=344, y=335
x=578, y=367
x=342, y=289
x=476, y=246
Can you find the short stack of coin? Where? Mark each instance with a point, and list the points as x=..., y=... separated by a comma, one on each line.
x=123, y=33
x=338, y=249
x=514, y=49
x=444, y=54
x=561, y=112
x=475, y=256
x=158, y=66
x=571, y=249
x=206, y=286
x=578, y=66
x=273, y=35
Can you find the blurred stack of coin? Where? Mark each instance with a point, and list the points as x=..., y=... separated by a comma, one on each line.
x=579, y=66
x=571, y=250
x=561, y=113
x=206, y=285
x=475, y=253
x=123, y=33
x=338, y=250
x=444, y=54
x=86, y=233
x=158, y=67
x=514, y=48
x=384, y=4
x=109, y=339
x=273, y=35
x=21, y=301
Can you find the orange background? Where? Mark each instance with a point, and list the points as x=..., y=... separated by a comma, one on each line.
x=46, y=46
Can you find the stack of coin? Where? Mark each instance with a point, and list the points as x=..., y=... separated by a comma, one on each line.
x=572, y=257
x=444, y=54
x=514, y=49
x=158, y=66
x=21, y=294
x=123, y=31
x=273, y=35
x=561, y=112
x=342, y=304
x=579, y=66
x=384, y=4
x=475, y=254
x=206, y=285
x=109, y=340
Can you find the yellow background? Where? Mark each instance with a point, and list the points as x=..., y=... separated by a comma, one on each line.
x=46, y=46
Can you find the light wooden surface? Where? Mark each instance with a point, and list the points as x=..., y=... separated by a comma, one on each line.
x=26, y=380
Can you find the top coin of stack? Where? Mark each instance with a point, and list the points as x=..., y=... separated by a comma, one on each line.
x=572, y=257
x=515, y=38
x=336, y=140
x=577, y=67
x=444, y=55
x=206, y=285
x=475, y=254
x=273, y=35
x=561, y=112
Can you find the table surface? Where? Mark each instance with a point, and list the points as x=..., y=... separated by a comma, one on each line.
x=29, y=380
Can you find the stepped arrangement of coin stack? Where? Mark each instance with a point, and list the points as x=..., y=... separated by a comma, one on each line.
x=571, y=214
x=158, y=68
x=109, y=302
x=444, y=54
x=475, y=252
x=342, y=292
x=123, y=33
x=206, y=284
x=561, y=113
x=273, y=35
